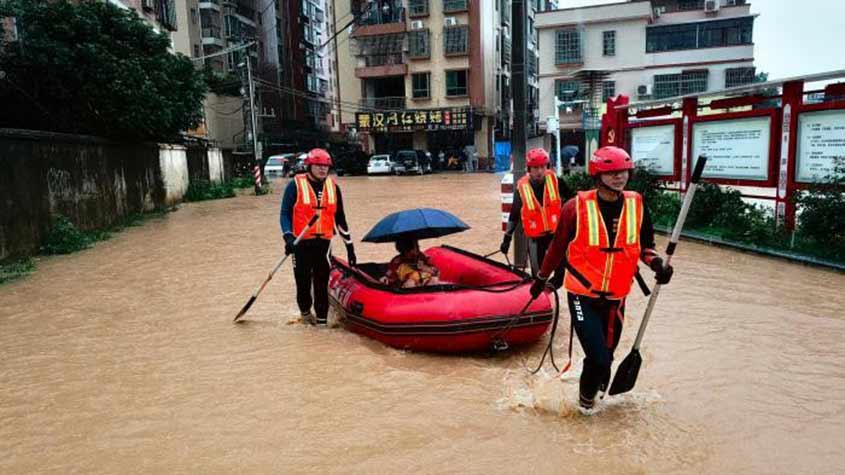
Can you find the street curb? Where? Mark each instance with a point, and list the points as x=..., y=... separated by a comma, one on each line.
x=716, y=241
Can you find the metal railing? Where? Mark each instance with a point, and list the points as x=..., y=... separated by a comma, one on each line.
x=454, y=5
x=382, y=16
x=211, y=32
x=390, y=59
x=383, y=103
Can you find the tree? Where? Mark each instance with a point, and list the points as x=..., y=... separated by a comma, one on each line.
x=93, y=68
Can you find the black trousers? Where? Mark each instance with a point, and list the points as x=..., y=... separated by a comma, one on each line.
x=537, y=252
x=598, y=324
x=311, y=270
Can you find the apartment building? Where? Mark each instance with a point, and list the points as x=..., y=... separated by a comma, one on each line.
x=645, y=49
x=160, y=14
x=428, y=74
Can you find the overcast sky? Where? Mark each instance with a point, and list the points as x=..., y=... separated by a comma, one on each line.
x=791, y=37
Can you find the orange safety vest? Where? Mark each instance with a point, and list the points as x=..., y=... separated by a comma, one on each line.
x=538, y=219
x=610, y=270
x=306, y=207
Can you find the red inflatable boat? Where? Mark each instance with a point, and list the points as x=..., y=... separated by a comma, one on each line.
x=476, y=306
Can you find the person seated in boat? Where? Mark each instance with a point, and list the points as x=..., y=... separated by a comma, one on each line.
x=411, y=268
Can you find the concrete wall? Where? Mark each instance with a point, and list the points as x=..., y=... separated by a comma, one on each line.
x=215, y=165
x=96, y=183
x=173, y=161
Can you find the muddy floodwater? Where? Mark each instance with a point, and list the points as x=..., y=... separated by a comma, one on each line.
x=123, y=358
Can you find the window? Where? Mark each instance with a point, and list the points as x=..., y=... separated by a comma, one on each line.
x=568, y=46
x=690, y=4
x=196, y=51
x=609, y=43
x=708, y=34
x=725, y=33
x=312, y=83
x=456, y=40
x=687, y=82
x=530, y=33
x=420, y=85
x=450, y=6
x=417, y=8
x=456, y=83
x=738, y=76
x=194, y=16
x=567, y=89
x=506, y=10
x=419, y=44
x=608, y=90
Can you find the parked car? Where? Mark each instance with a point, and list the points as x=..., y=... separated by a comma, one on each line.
x=425, y=161
x=407, y=161
x=299, y=165
x=278, y=165
x=351, y=163
x=380, y=164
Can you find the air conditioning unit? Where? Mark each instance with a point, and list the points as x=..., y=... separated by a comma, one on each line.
x=417, y=25
x=659, y=11
x=644, y=90
x=450, y=21
x=711, y=6
x=148, y=5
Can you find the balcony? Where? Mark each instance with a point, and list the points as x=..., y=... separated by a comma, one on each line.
x=212, y=35
x=243, y=9
x=379, y=65
x=378, y=18
x=383, y=103
x=210, y=4
x=455, y=6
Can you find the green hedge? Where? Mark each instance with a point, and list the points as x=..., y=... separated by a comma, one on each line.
x=201, y=190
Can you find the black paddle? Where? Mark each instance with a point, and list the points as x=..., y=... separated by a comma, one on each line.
x=626, y=374
x=272, y=272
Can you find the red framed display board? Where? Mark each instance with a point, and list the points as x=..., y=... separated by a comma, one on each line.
x=741, y=147
x=656, y=143
x=785, y=148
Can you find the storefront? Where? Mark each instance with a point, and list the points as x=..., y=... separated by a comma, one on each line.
x=431, y=130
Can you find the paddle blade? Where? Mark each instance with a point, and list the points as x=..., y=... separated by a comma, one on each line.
x=626, y=374
x=245, y=309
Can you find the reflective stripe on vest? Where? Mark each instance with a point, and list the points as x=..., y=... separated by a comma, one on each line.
x=609, y=267
x=306, y=207
x=539, y=218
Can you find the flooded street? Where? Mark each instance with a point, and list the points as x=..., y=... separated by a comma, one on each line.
x=123, y=358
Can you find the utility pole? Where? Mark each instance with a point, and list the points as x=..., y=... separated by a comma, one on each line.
x=553, y=127
x=520, y=91
x=253, y=124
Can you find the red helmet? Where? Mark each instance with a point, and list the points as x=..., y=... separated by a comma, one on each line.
x=536, y=157
x=610, y=159
x=318, y=156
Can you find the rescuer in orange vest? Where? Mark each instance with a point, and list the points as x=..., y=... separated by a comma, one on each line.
x=309, y=194
x=537, y=199
x=603, y=233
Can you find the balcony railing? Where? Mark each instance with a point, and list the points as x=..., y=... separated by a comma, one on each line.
x=389, y=59
x=383, y=103
x=211, y=32
x=450, y=6
x=380, y=16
